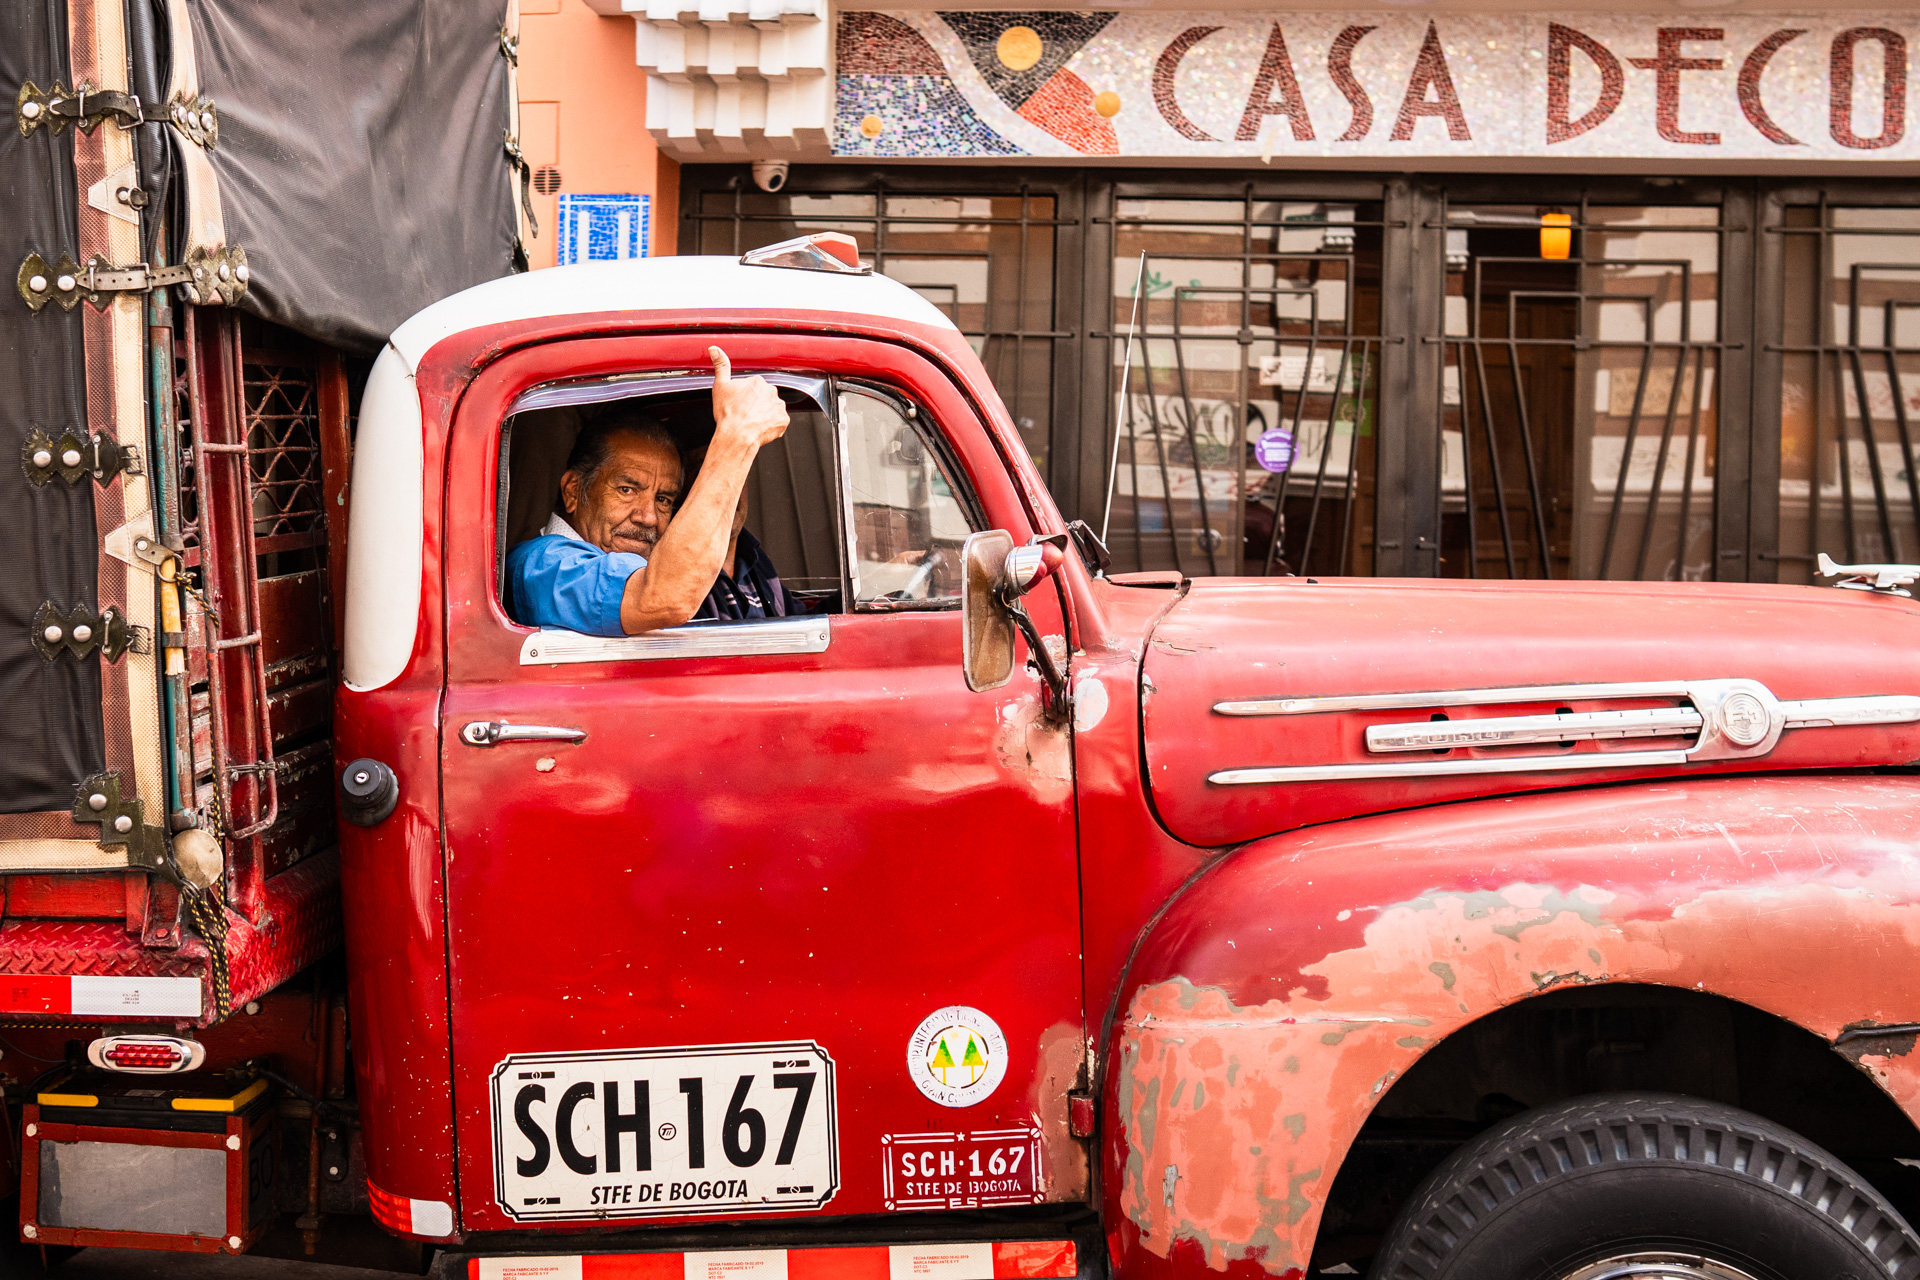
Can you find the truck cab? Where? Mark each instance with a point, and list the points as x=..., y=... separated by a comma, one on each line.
x=1069, y=920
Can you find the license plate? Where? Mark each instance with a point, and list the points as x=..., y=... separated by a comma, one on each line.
x=652, y=1133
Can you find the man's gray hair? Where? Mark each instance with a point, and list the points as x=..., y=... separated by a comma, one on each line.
x=594, y=444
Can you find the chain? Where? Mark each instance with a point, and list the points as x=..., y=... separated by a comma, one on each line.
x=206, y=909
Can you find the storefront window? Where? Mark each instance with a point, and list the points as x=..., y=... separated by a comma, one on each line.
x=986, y=261
x=1566, y=450
x=1246, y=426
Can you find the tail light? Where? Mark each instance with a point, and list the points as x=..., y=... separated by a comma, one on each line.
x=146, y=1055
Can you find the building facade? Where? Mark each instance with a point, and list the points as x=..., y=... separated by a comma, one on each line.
x=1436, y=289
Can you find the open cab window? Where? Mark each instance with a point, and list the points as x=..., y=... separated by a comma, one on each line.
x=859, y=507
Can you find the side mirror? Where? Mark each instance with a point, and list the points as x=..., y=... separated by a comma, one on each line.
x=987, y=632
x=994, y=575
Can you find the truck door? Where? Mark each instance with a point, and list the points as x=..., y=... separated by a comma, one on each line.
x=759, y=917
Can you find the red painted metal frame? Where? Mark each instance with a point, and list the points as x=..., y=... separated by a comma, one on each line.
x=299, y=923
x=237, y=674
x=239, y=1166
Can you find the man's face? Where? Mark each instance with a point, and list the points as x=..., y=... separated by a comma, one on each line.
x=632, y=497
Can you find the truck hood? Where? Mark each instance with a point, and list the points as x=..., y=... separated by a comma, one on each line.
x=1258, y=694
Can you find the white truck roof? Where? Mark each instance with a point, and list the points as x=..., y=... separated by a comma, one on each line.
x=660, y=284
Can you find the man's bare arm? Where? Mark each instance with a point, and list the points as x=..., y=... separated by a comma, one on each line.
x=747, y=414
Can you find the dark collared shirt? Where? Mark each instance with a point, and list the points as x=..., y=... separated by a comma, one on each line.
x=752, y=590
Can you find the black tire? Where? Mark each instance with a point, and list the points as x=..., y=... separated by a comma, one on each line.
x=1637, y=1177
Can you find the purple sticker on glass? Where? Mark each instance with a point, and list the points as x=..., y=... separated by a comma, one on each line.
x=1274, y=449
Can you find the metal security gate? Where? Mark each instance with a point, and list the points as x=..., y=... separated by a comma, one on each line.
x=1469, y=376
x=1248, y=332
x=1582, y=368
x=1842, y=343
x=993, y=255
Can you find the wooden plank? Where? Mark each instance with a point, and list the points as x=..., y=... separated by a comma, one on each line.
x=306, y=824
x=293, y=617
x=296, y=710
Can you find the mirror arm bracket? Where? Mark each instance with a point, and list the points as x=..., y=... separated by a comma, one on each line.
x=1050, y=673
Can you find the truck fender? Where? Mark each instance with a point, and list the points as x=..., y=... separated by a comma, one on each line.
x=1278, y=997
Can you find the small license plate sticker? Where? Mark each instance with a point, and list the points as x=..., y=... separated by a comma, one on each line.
x=977, y=1170
x=665, y=1133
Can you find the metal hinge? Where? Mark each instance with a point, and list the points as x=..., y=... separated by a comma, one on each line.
x=218, y=275
x=73, y=456
x=79, y=631
x=84, y=106
x=98, y=800
x=88, y=108
x=195, y=117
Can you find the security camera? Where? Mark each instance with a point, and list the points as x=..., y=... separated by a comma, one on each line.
x=769, y=175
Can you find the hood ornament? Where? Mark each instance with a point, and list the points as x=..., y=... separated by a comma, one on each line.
x=1885, y=578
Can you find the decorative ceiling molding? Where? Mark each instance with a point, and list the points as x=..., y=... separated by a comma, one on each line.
x=734, y=78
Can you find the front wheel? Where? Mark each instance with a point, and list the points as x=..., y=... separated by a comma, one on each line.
x=1646, y=1187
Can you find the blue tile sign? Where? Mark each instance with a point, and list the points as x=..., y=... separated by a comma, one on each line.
x=603, y=228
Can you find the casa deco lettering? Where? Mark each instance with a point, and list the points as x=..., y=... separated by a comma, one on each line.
x=1827, y=86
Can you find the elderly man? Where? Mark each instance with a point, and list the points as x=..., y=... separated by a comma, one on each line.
x=629, y=556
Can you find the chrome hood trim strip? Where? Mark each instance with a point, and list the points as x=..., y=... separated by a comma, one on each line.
x=1733, y=719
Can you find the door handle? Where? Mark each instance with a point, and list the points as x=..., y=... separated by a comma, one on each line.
x=491, y=733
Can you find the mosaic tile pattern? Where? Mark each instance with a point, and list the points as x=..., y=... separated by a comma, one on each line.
x=918, y=115
x=873, y=44
x=1893, y=112
x=1064, y=108
x=1392, y=87
x=603, y=228
x=1561, y=42
x=1061, y=36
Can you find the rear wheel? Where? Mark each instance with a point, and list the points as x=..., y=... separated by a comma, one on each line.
x=1646, y=1187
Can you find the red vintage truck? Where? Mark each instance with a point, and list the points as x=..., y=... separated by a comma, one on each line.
x=986, y=915
x=990, y=915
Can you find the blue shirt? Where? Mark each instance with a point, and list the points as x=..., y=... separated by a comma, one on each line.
x=559, y=580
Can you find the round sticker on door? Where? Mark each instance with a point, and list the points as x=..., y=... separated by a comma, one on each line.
x=957, y=1056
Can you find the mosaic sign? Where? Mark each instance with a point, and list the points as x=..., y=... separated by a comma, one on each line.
x=602, y=228
x=1378, y=85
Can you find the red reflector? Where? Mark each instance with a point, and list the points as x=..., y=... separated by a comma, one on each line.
x=403, y=1216
x=843, y=247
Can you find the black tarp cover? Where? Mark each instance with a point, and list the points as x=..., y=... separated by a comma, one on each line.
x=51, y=733
x=360, y=155
x=360, y=165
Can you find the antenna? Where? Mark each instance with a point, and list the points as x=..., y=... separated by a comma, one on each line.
x=1126, y=372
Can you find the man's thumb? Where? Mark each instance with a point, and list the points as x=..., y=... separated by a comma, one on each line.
x=722, y=367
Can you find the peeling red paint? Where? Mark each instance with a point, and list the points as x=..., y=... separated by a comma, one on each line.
x=1282, y=996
